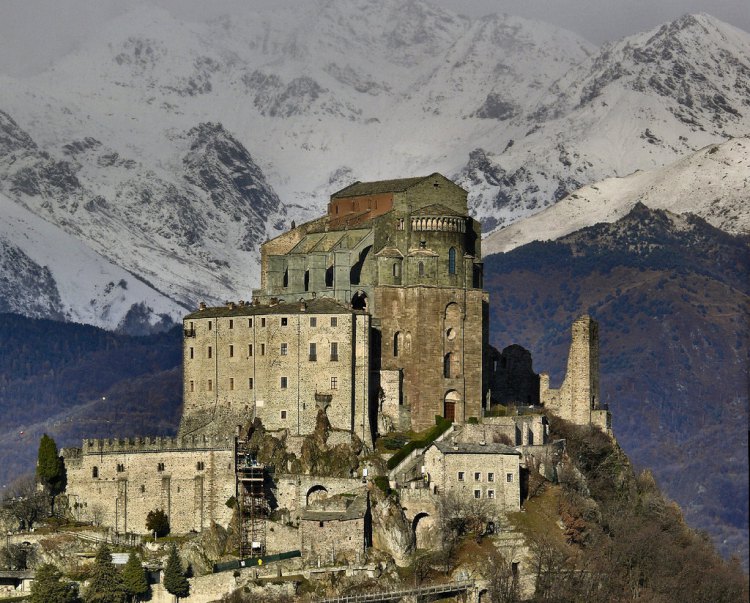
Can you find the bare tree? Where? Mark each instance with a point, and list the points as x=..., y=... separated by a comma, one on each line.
x=502, y=580
x=25, y=502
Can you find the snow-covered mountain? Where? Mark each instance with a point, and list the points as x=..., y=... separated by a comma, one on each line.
x=174, y=148
x=713, y=183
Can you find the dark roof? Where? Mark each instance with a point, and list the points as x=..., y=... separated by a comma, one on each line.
x=319, y=305
x=355, y=509
x=381, y=186
x=474, y=448
x=437, y=209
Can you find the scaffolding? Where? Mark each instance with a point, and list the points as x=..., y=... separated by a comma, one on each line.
x=251, y=499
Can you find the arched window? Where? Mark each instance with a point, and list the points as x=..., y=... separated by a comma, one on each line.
x=420, y=268
x=329, y=276
x=396, y=270
x=307, y=279
x=95, y=472
x=285, y=280
x=452, y=260
x=447, y=366
x=396, y=344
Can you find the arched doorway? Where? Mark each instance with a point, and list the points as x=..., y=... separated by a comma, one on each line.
x=450, y=404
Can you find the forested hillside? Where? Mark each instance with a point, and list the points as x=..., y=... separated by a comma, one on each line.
x=671, y=295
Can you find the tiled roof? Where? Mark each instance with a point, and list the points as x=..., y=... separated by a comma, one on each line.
x=381, y=186
x=474, y=448
x=436, y=209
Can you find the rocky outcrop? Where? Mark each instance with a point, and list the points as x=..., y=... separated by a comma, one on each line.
x=391, y=531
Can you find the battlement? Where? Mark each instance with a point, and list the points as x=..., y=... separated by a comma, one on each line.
x=148, y=444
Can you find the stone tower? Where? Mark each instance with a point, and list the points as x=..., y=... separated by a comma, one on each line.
x=578, y=399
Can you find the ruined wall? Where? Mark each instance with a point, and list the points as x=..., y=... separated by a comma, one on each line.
x=117, y=482
x=578, y=398
x=333, y=540
x=522, y=430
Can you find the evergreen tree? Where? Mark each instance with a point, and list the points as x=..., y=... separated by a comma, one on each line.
x=50, y=468
x=157, y=521
x=106, y=584
x=134, y=578
x=49, y=588
x=174, y=577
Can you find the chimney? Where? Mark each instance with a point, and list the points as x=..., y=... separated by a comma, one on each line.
x=202, y=306
x=230, y=305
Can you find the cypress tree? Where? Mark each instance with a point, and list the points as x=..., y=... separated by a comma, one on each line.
x=134, y=578
x=106, y=584
x=50, y=469
x=174, y=577
x=48, y=587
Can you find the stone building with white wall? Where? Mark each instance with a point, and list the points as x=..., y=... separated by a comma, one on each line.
x=483, y=471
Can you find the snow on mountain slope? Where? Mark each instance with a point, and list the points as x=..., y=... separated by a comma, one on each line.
x=638, y=104
x=713, y=183
x=51, y=274
x=174, y=148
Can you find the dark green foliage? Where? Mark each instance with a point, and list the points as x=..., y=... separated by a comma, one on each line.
x=441, y=426
x=50, y=469
x=174, y=576
x=382, y=482
x=48, y=587
x=157, y=521
x=105, y=583
x=134, y=579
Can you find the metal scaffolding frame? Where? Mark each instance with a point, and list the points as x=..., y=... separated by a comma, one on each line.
x=251, y=499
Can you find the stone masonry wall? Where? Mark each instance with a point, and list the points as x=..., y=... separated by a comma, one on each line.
x=498, y=480
x=117, y=484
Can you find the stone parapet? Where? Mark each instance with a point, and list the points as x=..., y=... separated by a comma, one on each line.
x=148, y=444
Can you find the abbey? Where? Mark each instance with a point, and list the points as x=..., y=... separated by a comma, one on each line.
x=373, y=317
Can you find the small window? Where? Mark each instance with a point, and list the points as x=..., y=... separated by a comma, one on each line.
x=490, y=477
x=461, y=476
x=334, y=383
x=284, y=321
x=320, y=523
x=334, y=351
x=231, y=384
x=509, y=477
x=95, y=472
x=334, y=321
x=262, y=322
x=209, y=352
x=313, y=356
x=143, y=489
x=210, y=326
x=192, y=386
x=477, y=476
x=200, y=466
x=249, y=323
x=490, y=494
x=283, y=382
x=283, y=349
x=477, y=494
x=420, y=268
x=160, y=467
x=210, y=385
x=452, y=260
x=262, y=349
x=120, y=467
x=231, y=323
x=250, y=350
x=313, y=321
x=283, y=415
x=231, y=351
x=192, y=353
x=250, y=383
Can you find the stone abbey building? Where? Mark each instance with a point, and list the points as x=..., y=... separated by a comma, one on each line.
x=374, y=313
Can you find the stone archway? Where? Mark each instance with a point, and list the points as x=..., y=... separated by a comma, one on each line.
x=422, y=526
x=315, y=494
x=359, y=301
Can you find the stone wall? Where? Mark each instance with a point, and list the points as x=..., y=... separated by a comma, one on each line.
x=271, y=362
x=521, y=430
x=332, y=539
x=436, y=336
x=117, y=482
x=496, y=477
